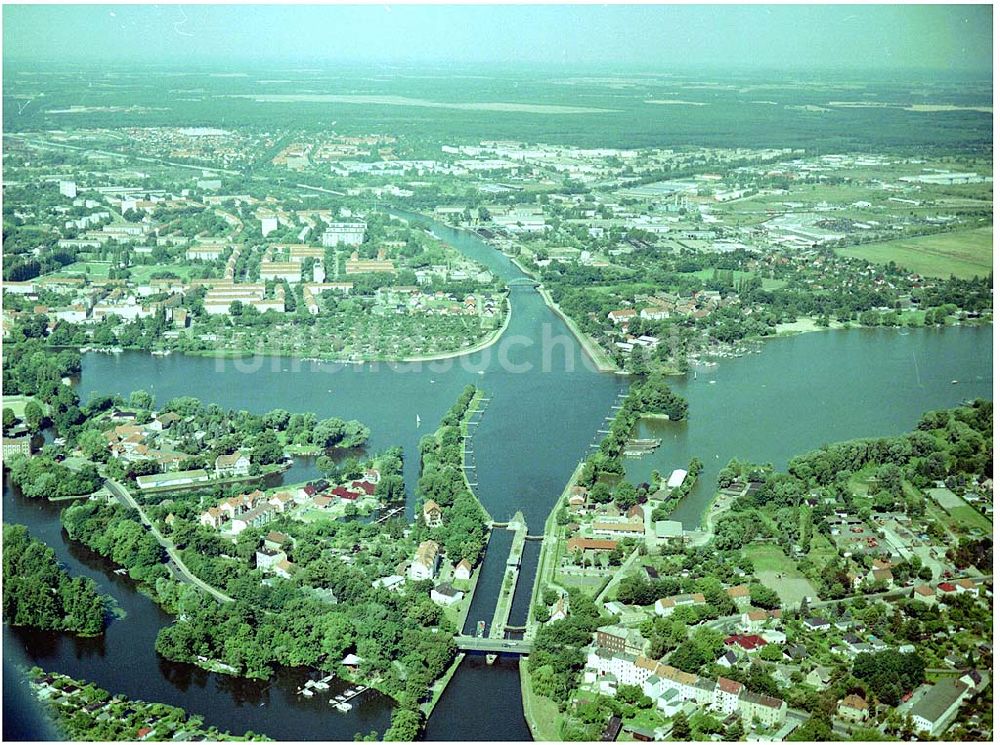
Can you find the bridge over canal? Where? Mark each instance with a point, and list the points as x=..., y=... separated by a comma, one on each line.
x=493, y=646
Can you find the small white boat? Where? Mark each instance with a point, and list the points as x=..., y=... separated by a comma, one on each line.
x=342, y=707
x=308, y=692
x=418, y=420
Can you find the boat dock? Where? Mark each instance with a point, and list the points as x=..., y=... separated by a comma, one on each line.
x=636, y=448
x=342, y=702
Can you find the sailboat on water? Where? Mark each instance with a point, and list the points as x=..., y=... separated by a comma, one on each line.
x=418, y=420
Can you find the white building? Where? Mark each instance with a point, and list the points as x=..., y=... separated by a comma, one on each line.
x=68, y=189
x=346, y=233
x=425, y=563
x=445, y=594
x=676, y=478
x=268, y=225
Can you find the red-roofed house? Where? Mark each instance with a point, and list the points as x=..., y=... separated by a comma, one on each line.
x=748, y=643
x=947, y=588
x=590, y=544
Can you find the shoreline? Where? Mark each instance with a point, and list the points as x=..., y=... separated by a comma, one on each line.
x=597, y=355
x=486, y=343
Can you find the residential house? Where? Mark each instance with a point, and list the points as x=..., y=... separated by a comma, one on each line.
x=819, y=677
x=432, y=514
x=761, y=710
x=284, y=568
x=445, y=594
x=816, y=624
x=392, y=583
x=728, y=659
x=590, y=544
x=966, y=585
x=853, y=708
x=234, y=464
x=726, y=698
x=463, y=570
x=666, y=606
x=620, y=639
x=746, y=643
x=559, y=610
x=425, y=563
x=253, y=519
x=268, y=557
x=740, y=595
x=213, y=518
x=281, y=500
x=619, y=529
x=275, y=540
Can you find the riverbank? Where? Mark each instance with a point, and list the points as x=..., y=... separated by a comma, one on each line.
x=548, y=554
x=601, y=359
x=542, y=714
x=463, y=427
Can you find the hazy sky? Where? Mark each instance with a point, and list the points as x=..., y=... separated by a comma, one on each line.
x=620, y=37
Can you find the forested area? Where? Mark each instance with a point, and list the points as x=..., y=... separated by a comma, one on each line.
x=205, y=431
x=37, y=592
x=31, y=369
x=285, y=622
x=41, y=476
x=557, y=659
x=108, y=529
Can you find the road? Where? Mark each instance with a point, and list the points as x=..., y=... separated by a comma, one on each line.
x=496, y=646
x=124, y=496
x=618, y=577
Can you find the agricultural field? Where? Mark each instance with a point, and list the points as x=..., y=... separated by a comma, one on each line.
x=964, y=253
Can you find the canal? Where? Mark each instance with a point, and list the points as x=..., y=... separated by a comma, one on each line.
x=547, y=402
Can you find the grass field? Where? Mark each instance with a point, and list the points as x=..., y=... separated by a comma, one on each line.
x=964, y=253
x=970, y=517
x=777, y=571
x=93, y=269
x=821, y=550
x=960, y=512
x=588, y=585
x=17, y=404
x=541, y=713
x=141, y=273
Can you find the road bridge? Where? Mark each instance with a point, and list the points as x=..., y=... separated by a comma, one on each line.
x=493, y=646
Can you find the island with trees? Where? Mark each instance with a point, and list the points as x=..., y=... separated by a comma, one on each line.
x=40, y=594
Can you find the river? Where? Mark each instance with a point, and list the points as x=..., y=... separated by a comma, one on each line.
x=545, y=406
